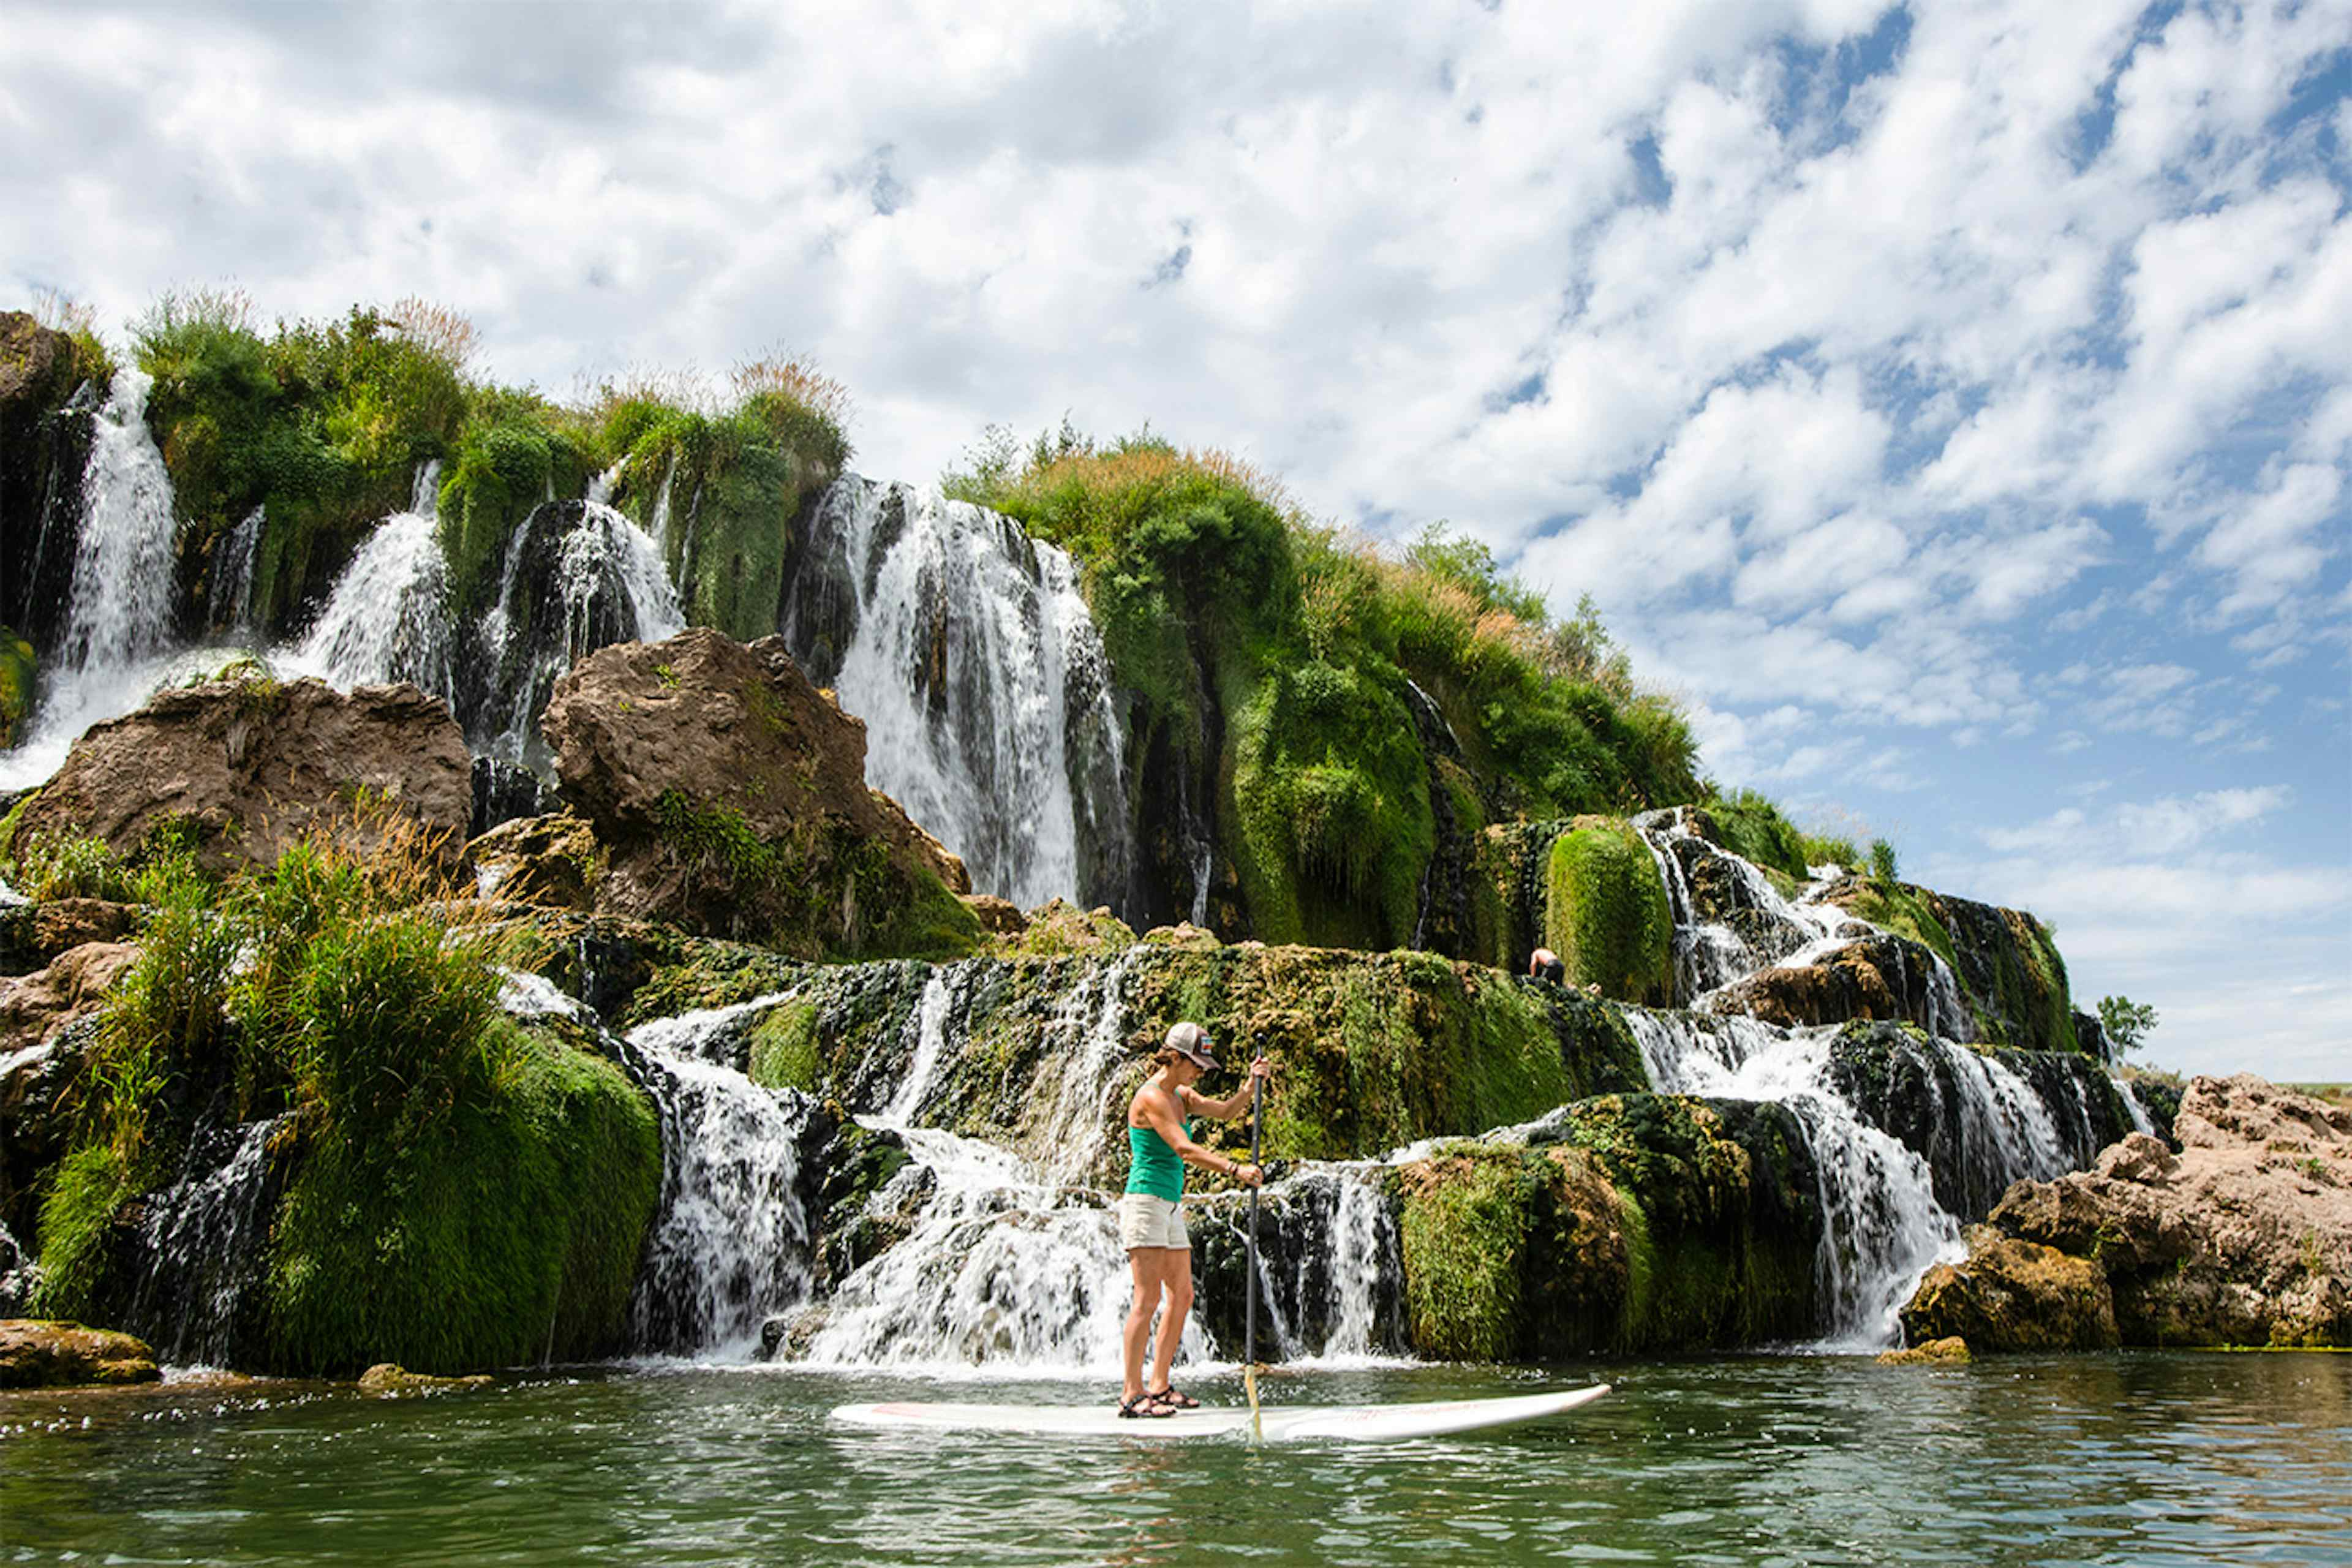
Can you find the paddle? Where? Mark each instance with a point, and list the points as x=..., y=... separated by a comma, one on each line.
x=1249, y=1297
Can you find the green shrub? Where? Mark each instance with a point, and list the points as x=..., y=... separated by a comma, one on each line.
x=1752, y=827
x=1883, y=868
x=50, y=866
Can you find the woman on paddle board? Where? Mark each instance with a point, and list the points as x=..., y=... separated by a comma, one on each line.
x=1150, y=1220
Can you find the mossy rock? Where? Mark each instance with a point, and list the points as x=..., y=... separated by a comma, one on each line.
x=1607, y=915
x=511, y=1233
x=18, y=669
x=1626, y=1224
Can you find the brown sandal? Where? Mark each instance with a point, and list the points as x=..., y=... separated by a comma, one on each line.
x=1146, y=1406
x=1172, y=1399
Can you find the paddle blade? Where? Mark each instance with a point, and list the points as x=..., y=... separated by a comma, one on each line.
x=1257, y=1422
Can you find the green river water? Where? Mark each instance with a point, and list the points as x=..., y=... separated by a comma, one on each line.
x=2140, y=1457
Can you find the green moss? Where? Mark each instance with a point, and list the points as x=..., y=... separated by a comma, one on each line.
x=830, y=892
x=712, y=974
x=1607, y=915
x=1335, y=827
x=509, y=1231
x=785, y=1050
x=1464, y=1222
x=18, y=669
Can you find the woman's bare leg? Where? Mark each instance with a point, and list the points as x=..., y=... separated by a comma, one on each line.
x=1177, y=1275
x=1150, y=1268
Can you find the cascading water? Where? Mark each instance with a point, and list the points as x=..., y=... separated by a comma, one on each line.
x=198, y=1245
x=387, y=618
x=1755, y=928
x=121, y=608
x=578, y=576
x=1881, y=1227
x=229, y=589
x=965, y=646
x=116, y=644
x=729, y=1246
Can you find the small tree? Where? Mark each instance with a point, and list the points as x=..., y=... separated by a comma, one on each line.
x=1882, y=860
x=2128, y=1023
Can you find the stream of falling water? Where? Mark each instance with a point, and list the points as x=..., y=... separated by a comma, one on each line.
x=966, y=648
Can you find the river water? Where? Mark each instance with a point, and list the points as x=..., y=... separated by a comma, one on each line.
x=2142, y=1458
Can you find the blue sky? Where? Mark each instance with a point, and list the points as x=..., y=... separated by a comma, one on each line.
x=1951, y=402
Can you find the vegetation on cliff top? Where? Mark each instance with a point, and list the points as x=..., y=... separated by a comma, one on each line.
x=1222, y=602
x=323, y=423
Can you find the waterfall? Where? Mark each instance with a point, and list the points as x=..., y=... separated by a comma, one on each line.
x=578, y=576
x=387, y=618
x=729, y=1246
x=2141, y=1121
x=228, y=594
x=1765, y=929
x=966, y=648
x=198, y=1245
x=120, y=609
x=1882, y=1226
x=658, y=525
x=1364, y=1251
x=116, y=644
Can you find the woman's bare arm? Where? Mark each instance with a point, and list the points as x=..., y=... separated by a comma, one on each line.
x=1161, y=1118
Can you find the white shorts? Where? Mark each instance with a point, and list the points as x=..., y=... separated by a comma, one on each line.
x=1147, y=1221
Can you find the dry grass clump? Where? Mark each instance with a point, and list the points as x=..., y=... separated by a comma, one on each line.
x=439, y=331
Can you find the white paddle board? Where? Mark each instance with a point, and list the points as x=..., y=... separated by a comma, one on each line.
x=1283, y=1423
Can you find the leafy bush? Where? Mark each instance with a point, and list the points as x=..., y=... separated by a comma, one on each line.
x=1883, y=868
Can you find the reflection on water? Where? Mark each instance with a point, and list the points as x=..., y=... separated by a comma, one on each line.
x=2143, y=1458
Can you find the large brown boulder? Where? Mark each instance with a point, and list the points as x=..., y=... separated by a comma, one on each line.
x=33, y=1006
x=729, y=796
x=2244, y=1238
x=249, y=765
x=39, y=1352
x=2013, y=1295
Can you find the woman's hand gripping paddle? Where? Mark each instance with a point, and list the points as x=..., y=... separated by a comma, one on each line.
x=1249, y=1307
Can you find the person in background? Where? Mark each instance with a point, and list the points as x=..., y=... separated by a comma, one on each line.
x=1545, y=964
x=1160, y=1122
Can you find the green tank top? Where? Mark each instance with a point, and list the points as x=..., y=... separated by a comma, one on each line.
x=1153, y=1166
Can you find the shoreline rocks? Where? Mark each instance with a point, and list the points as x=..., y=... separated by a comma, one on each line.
x=2244, y=1238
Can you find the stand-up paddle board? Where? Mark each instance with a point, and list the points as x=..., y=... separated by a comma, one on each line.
x=1283, y=1423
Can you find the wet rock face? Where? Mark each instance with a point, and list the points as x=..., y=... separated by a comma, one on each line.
x=37, y=1114
x=731, y=796
x=2243, y=1238
x=1906, y=1086
x=40, y=1352
x=1880, y=977
x=44, y=443
x=248, y=767
x=1625, y=1222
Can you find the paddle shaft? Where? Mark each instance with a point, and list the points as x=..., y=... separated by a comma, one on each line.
x=1249, y=1306
x=1249, y=1295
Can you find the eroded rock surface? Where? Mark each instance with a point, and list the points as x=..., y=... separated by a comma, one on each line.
x=247, y=766
x=2244, y=1238
x=730, y=796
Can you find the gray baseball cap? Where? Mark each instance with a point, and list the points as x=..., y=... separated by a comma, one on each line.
x=1192, y=1042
